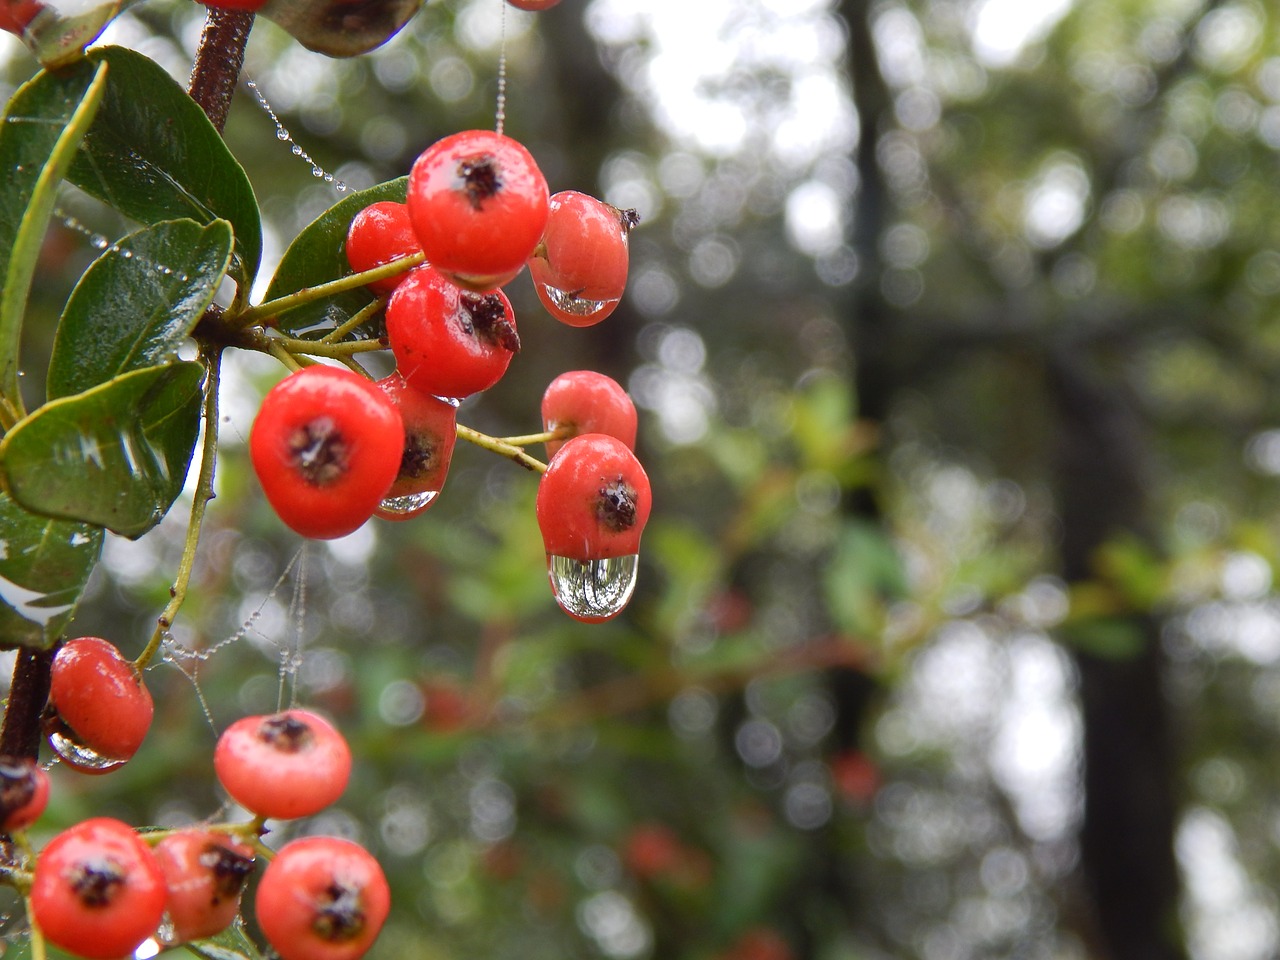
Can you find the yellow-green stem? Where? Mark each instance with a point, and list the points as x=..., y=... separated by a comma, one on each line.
x=529, y=439
x=357, y=318
x=501, y=448
x=37, y=937
x=199, y=504
x=335, y=351
x=272, y=308
x=284, y=356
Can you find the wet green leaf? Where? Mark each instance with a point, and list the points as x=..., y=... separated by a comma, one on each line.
x=153, y=155
x=44, y=566
x=317, y=255
x=115, y=455
x=232, y=944
x=42, y=128
x=138, y=302
x=341, y=28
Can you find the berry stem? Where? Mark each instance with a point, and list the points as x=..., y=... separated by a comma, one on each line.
x=352, y=322
x=529, y=439
x=199, y=505
x=500, y=447
x=37, y=937
x=263, y=313
x=334, y=351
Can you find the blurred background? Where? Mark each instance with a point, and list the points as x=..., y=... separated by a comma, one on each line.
x=953, y=325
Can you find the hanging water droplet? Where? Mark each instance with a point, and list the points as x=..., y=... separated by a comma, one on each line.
x=573, y=304
x=99, y=242
x=297, y=150
x=283, y=134
x=74, y=753
x=594, y=589
x=340, y=186
x=401, y=508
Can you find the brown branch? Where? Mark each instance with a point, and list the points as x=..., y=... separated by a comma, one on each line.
x=20, y=735
x=218, y=61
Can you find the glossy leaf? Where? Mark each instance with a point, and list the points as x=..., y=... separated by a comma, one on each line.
x=153, y=155
x=44, y=566
x=341, y=28
x=137, y=303
x=232, y=944
x=115, y=455
x=317, y=255
x=42, y=128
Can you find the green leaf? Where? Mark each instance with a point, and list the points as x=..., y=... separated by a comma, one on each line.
x=340, y=28
x=42, y=127
x=115, y=455
x=1108, y=638
x=153, y=155
x=318, y=255
x=232, y=944
x=44, y=565
x=58, y=37
x=137, y=303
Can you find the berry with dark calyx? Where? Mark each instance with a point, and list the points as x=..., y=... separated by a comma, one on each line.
x=584, y=401
x=430, y=432
x=100, y=710
x=478, y=203
x=322, y=898
x=380, y=234
x=449, y=342
x=24, y=793
x=592, y=505
x=98, y=891
x=204, y=872
x=284, y=765
x=579, y=269
x=326, y=446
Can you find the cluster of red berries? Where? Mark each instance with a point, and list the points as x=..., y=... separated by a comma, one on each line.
x=333, y=449
x=100, y=889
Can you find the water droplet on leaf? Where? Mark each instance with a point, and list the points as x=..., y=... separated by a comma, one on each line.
x=592, y=589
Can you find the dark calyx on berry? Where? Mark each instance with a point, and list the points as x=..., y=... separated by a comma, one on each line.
x=285, y=732
x=421, y=452
x=484, y=316
x=480, y=178
x=629, y=218
x=616, y=506
x=340, y=916
x=17, y=785
x=319, y=451
x=230, y=870
x=97, y=882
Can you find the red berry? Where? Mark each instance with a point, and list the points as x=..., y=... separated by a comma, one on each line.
x=594, y=500
x=478, y=203
x=326, y=446
x=430, y=430
x=652, y=850
x=97, y=891
x=584, y=401
x=16, y=15
x=204, y=872
x=579, y=269
x=285, y=765
x=24, y=793
x=533, y=4
x=322, y=898
x=379, y=234
x=449, y=342
x=101, y=708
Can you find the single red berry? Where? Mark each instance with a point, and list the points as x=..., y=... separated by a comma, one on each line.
x=594, y=500
x=24, y=793
x=579, y=269
x=16, y=15
x=101, y=709
x=322, y=898
x=478, y=203
x=285, y=765
x=326, y=446
x=430, y=431
x=379, y=234
x=204, y=873
x=98, y=891
x=583, y=401
x=449, y=342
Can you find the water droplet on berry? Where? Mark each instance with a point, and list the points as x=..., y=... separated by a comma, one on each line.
x=573, y=304
x=594, y=589
x=64, y=743
x=407, y=505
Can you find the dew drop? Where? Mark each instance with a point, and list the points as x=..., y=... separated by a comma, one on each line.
x=297, y=150
x=573, y=304
x=594, y=589
x=411, y=504
x=76, y=754
x=282, y=134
